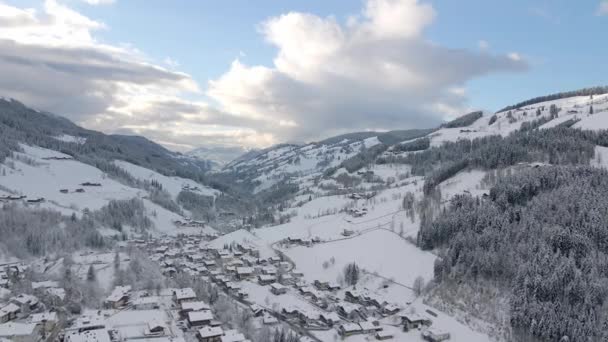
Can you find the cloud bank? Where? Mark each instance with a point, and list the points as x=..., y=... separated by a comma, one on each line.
x=374, y=71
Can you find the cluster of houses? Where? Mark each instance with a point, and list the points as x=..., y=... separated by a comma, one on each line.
x=189, y=223
x=357, y=212
x=14, y=198
x=23, y=318
x=230, y=266
x=299, y=241
x=172, y=315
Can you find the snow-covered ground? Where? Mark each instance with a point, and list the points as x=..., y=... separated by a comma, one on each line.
x=173, y=185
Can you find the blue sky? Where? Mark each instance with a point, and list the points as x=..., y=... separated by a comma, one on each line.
x=503, y=52
x=205, y=36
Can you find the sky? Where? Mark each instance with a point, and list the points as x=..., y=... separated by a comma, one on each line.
x=244, y=74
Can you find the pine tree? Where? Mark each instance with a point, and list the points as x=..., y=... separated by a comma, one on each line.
x=91, y=276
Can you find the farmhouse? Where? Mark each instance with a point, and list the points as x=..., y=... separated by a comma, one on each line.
x=19, y=332
x=349, y=329
x=118, y=298
x=278, y=289
x=265, y=279
x=184, y=295
x=414, y=321
x=210, y=334
x=199, y=318
x=244, y=272
x=435, y=335
x=9, y=312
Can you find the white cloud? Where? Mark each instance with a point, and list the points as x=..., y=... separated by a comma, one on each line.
x=602, y=8
x=378, y=70
x=99, y=2
x=514, y=56
x=483, y=45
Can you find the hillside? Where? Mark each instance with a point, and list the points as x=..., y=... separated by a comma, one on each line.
x=491, y=227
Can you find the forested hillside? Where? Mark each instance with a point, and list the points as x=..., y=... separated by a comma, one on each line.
x=543, y=234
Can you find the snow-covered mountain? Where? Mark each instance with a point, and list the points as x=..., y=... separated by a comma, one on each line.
x=481, y=226
x=218, y=156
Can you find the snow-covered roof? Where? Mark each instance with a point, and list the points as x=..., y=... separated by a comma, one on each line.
x=16, y=329
x=207, y=332
x=44, y=316
x=197, y=316
x=118, y=293
x=99, y=335
x=195, y=306
x=186, y=293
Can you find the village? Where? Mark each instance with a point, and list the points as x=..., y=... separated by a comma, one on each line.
x=270, y=292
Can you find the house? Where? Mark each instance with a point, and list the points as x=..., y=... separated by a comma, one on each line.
x=257, y=310
x=9, y=312
x=80, y=190
x=187, y=307
x=210, y=334
x=233, y=336
x=64, y=191
x=347, y=232
x=118, y=298
x=155, y=328
x=19, y=332
x=269, y=270
x=435, y=335
x=278, y=289
x=414, y=321
x=47, y=320
x=98, y=335
x=370, y=327
x=244, y=272
x=266, y=279
x=146, y=303
x=184, y=295
x=25, y=299
x=383, y=335
x=329, y=318
x=269, y=319
x=199, y=318
x=350, y=311
x=349, y=329
x=390, y=309
x=286, y=279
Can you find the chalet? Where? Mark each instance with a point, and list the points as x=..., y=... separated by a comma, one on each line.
x=19, y=332
x=329, y=318
x=48, y=320
x=435, y=335
x=80, y=190
x=390, y=309
x=184, y=295
x=370, y=327
x=187, y=307
x=349, y=329
x=350, y=311
x=25, y=299
x=286, y=279
x=347, y=232
x=209, y=263
x=210, y=334
x=383, y=335
x=265, y=279
x=155, y=328
x=146, y=303
x=118, y=298
x=269, y=270
x=199, y=318
x=257, y=310
x=274, y=259
x=268, y=319
x=64, y=191
x=414, y=321
x=90, y=184
x=277, y=289
x=324, y=285
x=36, y=200
x=9, y=312
x=233, y=336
